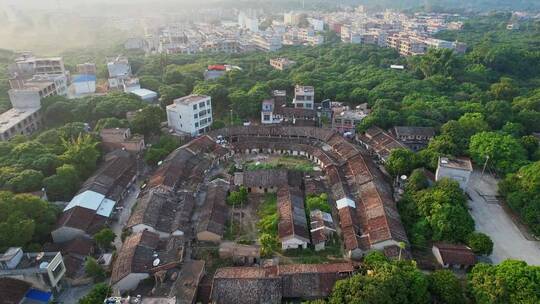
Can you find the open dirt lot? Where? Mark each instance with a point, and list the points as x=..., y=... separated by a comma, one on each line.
x=490, y=217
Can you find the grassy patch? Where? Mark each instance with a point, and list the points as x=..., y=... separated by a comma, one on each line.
x=285, y=162
x=332, y=252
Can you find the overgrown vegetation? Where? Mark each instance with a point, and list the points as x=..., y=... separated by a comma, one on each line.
x=268, y=225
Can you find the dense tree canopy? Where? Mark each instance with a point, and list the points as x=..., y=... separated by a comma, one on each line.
x=27, y=220
x=510, y=282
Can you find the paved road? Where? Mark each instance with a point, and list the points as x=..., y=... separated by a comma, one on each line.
x=129, y=202
x=73, y=294
x=492, y=219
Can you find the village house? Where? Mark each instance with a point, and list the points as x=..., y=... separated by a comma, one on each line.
x=292, y=227
x=164, y=214
x=143, y=254
x=213, y=217
x=121, y=138
x=95, y=203
x=379, y=142
x=241, y=255
x=322, y=228
x=453, y=255
x=43, y=270
x=267, y=181
x=275, y=284
x=246, y=285
x=416, y=138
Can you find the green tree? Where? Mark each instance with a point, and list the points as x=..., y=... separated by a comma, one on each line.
x=522, y=194
x=63, y=185
x=29, y=220
x=239, y=197
x=387, y=282
x=401, y=161
x=109, y=123
x=445, y=287
x=25, y=181
x=504, y=90
x=104, y=238
x=505, y=152
x=148, y=120
x=509, y=282
x=319, y=202
x=94, y=270
x=417, y=181
x=269, y=243
x=82, y=153
x=480, y=243
x=98, y=293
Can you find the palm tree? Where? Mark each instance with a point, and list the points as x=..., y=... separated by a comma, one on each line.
x=401, y=246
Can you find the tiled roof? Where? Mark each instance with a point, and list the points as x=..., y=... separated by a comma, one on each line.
x=81, y=218
x=349, y=174
x=292, y=214
x=135, y=256
x=12, y=291
x=214, y=211
x=455, y=254
x=163, y=212
x=246, y=285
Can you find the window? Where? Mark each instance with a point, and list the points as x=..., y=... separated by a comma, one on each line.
x=194, y=107
x=57, y=270
x=195, y=115
x=196, y=125
x=308, y=105
x=266, y=117
x=208, y=102
x=201, y=105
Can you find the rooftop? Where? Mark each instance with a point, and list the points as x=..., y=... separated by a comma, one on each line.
x=298, y=89
x=12, y=117
x=190, y=99
x=460, y=163
x=84, y=78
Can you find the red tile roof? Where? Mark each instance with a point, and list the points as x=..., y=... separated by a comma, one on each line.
x=456, y=254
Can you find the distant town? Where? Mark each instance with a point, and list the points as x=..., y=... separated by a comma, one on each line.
x=333, y=156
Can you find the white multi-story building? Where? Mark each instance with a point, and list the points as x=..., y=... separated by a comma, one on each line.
x=190, y=114
x=267, y=43
x=304, y=97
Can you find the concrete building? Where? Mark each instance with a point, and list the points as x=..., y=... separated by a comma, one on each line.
x=304, y=97
x=266, y=43
x=118, y=67
x=121, y=138
x=292, y=18
x=345, y=120
x=248, y=21
x=19, y=122
x=25, y=116
x=415, y=138
x=86, y=68
x=317, y=24
x=191, y=114
x=29, y=65
x=145, y=95
x=281, y=63
x=44, y=270
x=458, y=169
x=84, y=84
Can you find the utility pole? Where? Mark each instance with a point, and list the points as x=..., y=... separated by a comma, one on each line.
x=485, y=165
